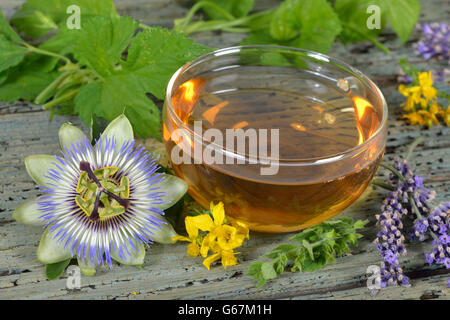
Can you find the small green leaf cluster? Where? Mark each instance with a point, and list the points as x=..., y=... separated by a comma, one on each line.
x=306, y=24
x=105, y=68
x=316, y=247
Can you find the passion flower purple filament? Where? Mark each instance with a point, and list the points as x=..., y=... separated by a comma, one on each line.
x=94, y=239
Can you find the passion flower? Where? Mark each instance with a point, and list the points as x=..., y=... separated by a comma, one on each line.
x=100, y=203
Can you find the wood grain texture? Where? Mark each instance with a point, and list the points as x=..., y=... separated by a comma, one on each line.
x=168, y=272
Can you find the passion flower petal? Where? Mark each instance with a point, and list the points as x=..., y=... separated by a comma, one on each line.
x=28, y=213
x=50, y=250
x=174, y=188
x=121, y=129
x=166, y=233
x=86, y=268
x=37, y=167
x=69, y=134
x=130, y=257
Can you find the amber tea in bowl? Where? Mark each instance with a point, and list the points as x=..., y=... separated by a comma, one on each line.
x=320, y=129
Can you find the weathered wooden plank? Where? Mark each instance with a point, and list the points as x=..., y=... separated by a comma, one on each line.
x=169, y=273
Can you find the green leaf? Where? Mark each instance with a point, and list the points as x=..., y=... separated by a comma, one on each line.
x=316, y=21
x=402, y=16
x=153, y=56
x=36, y=19
x=63, y=42
x=117, y=95
x=309, y=249
x=56, y=270
x=254, y=268
x=87, y=100
x=309, y=265
x=280, y=264
x=156, y=53
x=26, y=84
x=237, y=8
x=7, y=31
x=268, y=271
x=285, y=248
x=319, y=245
x=353, y=14
x=10, y=53
x=102, y=41
x=125, y=93
x=360, y=224
x=319, y=25
x=284, y=24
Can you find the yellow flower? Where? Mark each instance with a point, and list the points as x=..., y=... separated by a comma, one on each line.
x=446, y=116
x=221, y=238
x=425, y=79
x=193, y=224
x=423, y=95
x=414, y=118
x=228, y=259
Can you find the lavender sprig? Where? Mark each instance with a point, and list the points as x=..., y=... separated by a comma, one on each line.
x=438, y=225
x=408, y=196
x=434, y=42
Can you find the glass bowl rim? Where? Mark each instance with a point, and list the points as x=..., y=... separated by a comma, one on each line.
x=315, y=55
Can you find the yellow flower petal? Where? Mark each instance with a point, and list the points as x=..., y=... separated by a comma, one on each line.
x=429, y=92
x=403, y=90
x=228, y=238
x=207, y=244
x=242, y=228
x=414, y=118
x=207, y=262
x=193, y=249
x=181, y=238
x=409, y=106
x=202, y=222
x=228, y=259
x=218, y=213
x=191, y=228
x=425, y=79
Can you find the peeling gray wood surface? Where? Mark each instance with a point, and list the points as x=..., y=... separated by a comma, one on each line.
x=168, y=272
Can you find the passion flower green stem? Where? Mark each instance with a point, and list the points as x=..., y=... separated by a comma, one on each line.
x=201, y=5
x=201, y=26
x=49, y=90
x=46, y=53
x=65, y=97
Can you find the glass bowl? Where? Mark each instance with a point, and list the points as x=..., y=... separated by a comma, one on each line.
x=286, y=138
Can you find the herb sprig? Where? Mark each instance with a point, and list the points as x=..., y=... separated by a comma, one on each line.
x=98, y=71
x=317, y=246
x=307, y=24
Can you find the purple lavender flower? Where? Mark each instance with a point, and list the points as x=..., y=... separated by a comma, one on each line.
x=434, y=42
x=390, y=240
x=402, y=77
x=438, y=224
x=441, y=76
